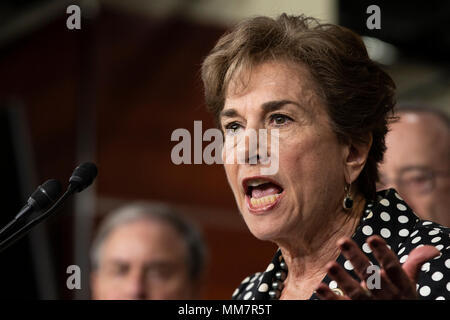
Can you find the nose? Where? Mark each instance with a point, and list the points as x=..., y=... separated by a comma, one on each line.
x=254, y=148
x=135, y=288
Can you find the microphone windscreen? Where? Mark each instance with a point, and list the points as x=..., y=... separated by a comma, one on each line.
x=46, y=194
x=83, y=176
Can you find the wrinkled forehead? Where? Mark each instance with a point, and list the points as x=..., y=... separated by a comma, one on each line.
x=143, y=236
x=246, y=76
x=273, y=81
x=417, y=140
x=424, y=126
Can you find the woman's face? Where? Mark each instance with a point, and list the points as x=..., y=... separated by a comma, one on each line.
x=309, y=185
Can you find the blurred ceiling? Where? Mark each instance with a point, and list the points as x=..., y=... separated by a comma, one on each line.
x=415, y=43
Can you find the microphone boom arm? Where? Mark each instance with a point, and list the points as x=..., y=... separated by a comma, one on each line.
x=19, y=234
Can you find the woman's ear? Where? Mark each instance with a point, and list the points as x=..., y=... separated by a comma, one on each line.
x=356, y=157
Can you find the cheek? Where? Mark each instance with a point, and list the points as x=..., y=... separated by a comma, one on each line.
x=231, y=171
x=312, y=158
x=106, y=287
x=176, y=287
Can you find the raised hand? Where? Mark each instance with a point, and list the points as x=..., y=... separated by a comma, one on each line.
x=397, y=281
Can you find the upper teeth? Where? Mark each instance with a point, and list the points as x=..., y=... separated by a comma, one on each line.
x=256, y=182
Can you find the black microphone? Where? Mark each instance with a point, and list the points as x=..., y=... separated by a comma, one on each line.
x=42, y=197
x=45, y=195
x=81, y=178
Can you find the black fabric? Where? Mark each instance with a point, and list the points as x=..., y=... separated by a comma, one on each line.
x=391, y=218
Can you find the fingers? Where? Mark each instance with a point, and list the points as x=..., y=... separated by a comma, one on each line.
x=416, y=259
x=358, y=259
x=325, y=293
x=396, y=281
x=393, y=281
x=392, y=276
x=361, y=264
x=350, y=286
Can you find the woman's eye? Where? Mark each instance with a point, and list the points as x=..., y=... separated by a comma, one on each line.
x=279, y=119
x=232, y=127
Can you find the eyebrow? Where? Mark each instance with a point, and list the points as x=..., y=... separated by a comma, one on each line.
x=267, y=107
x=277, y=105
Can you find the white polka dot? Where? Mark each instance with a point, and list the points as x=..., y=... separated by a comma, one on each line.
x=384, y=202
x=401, y=251
x=403, y=259
x=426, y=223
x=425, y=291
x=255, y=276
x=263, y=287
x=403, y=233
x=348, y=265
x=416, y=239
x=248, y=295
x=401, y=207
x=235, y=292
x=403, y=219
x=398, y=196
x=370, y=215
x=448, y=286
x=385, y=216
x=433, y=232
x=438, y=257
x=250, y=285
x=447, y=263
x=385, y=233
x=439, y=247
x=440, y=298
x=437, y=276
x=270, y=267
x=436, y=239
x=425, y=267
x=366, y=248
x=332, y=284
x=245, y=280
x=414, y=233
x=367, y=230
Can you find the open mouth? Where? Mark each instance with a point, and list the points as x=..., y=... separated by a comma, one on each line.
x=261, y=194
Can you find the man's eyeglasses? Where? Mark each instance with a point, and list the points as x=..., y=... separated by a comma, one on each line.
x=414, y=180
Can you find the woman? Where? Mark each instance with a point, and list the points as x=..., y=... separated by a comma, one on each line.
x=330, y=104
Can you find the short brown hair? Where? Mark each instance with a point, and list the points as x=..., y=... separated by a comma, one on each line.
x=357, y=93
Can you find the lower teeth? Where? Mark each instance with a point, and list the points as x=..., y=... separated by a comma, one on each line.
x=264, y=200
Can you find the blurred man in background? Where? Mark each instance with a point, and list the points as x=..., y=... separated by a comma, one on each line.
x=147, y=251
x=417, y=161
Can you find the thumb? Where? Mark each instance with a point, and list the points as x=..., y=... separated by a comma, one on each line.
x=416, y=259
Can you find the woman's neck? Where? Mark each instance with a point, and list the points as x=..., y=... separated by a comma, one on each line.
x=306, y=259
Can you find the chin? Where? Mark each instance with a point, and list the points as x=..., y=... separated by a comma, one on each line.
x=264, y=228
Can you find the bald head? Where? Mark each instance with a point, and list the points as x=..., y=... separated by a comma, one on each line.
x=419, y=138
x=417, y=163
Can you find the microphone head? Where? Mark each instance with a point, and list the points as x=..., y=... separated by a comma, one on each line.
x=46, y=194
x=83, y=176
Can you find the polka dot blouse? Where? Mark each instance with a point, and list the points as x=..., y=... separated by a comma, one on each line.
x=391, y=218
